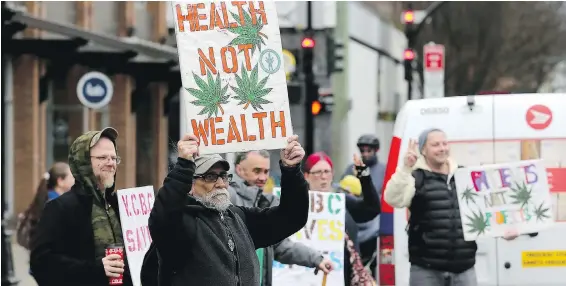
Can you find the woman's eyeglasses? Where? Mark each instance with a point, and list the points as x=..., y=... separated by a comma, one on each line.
x=320, y=173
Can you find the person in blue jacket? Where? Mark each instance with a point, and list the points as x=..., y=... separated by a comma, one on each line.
x=55, y=182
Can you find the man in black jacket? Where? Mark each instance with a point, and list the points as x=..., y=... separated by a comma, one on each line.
x=201, y=238
x=69, y=244
x=425, y=184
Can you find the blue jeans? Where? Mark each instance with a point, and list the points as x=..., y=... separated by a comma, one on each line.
x=428, y=277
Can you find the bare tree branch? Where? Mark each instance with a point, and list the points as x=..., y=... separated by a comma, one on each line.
x=489, y=41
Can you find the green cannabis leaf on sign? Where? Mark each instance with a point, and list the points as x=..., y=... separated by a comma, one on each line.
x=468, y=195
x=210, y=95
x=477, y=223
x=521, y=194
x=541, y=212
x=249, y=90
x=247, y=32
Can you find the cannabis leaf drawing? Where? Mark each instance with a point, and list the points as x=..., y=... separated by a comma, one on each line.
x=211, y=95
x=468, y=195
x=521, y=194
x=541, y=212
x=477, y=223
x=247, y=32
x=249, y=91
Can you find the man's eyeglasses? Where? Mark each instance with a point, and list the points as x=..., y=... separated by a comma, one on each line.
x=213, y=177
x=320, y=173
x=116, y=159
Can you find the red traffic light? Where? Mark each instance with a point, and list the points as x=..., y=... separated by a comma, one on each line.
x=307, y=43
x=409, y=55
x=408, y=17
x=316, y=106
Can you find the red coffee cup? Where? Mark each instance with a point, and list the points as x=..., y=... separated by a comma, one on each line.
x=116, y=249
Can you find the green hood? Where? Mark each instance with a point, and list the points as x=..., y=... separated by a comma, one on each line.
x=79, y=158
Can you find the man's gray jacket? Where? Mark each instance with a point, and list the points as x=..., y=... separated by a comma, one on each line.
x=286, y=251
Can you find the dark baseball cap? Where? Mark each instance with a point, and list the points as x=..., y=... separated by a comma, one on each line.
x=107, y=132
x=204, y=163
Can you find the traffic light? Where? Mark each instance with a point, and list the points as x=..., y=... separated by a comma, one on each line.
x=311, y=89
x=408, y=17
x=316, y=107
x=307, y=45
x=409, y=20
x=408, y=58
x=334, y=56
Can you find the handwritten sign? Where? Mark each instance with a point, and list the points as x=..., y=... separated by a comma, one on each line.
x=135, y=205
x=500, y=197
x=234, y=84
x=324, y=232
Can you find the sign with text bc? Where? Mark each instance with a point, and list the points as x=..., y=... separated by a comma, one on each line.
x=95, y=90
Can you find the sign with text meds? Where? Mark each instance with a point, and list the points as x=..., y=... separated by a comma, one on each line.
x=135, y=205
x=324, y=232
x=500, y=197
x=234, y=86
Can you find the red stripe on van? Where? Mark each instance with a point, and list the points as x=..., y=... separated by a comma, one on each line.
x=387, y=264
x=394, y=151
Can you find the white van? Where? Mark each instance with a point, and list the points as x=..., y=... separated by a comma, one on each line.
x=488, y=129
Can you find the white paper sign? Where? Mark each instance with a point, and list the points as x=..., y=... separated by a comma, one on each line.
x=135, y=205
x=500, y=197
x=234, y=85
x=324, y=232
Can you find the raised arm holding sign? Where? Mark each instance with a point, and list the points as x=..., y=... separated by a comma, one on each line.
x=234, y=85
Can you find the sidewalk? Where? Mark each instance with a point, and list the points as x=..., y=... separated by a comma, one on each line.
x=21, y=265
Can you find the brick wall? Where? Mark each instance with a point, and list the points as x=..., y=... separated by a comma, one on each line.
x=30, y=116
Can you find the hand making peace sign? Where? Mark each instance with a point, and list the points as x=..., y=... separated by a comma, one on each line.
x=412, y=153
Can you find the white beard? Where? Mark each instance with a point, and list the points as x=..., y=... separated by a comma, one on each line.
x=106, y=181
x=218, y=199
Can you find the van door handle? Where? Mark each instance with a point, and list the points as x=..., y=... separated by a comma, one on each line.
x=507, y=265
x=533, y=234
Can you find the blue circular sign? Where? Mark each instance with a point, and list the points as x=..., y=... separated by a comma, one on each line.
x=95, y=90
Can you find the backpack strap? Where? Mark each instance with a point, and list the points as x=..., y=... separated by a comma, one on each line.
x=419, y=175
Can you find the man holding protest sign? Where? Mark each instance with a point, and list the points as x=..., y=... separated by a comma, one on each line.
x=425, y=184
x=246, y=189
x=201, y=238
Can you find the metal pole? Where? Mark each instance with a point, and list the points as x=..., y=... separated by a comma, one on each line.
x=411, y=35
x=8, y=275
x=309, y=90
x=410, y=89
x=340, y=90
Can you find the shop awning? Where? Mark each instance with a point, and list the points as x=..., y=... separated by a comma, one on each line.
x=16, y=18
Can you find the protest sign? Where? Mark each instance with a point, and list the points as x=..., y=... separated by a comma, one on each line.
x=500, y=197
x=324, y=232
x=135, y=205
x=234, y=85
